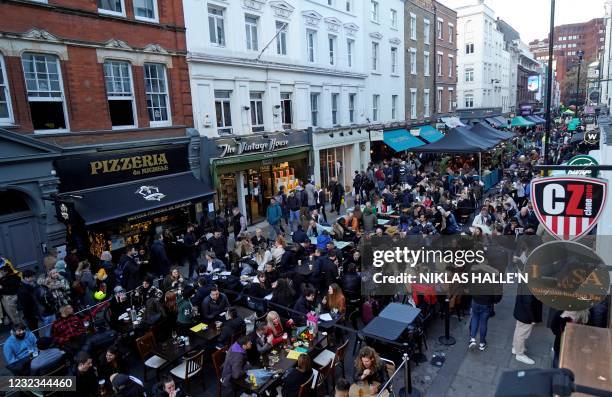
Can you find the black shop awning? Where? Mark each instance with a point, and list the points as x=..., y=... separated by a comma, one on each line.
x=147, y=197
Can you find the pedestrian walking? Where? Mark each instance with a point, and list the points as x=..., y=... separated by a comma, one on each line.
x=293, y=205
x=274, y=215
x=239, y=222
x=527, y=312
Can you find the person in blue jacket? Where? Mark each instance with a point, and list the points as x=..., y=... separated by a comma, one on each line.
x=274, y=215
x=19, y=346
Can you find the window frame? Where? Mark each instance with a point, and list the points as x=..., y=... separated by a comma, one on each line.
x=228, y=129
x=394, y=20
x=332, y=42
x=394, y=107
x=451, y=32
x=440, y=29
x=413, y=103
x=288, y=98
x=471, y=96
x=334, y=108
x=374, y=11
x=413, y=26
x=350, y=48
x=61, y=98
x=426, y=62
x=375, y=57
x=161, y=123
x=256, y=105
x=451, y=65
x=7, y=92
x=413, y=61
x=469, y=48
x=375, y=107
x=216, y=18
x=394, y=60
x=311, y=38
x=426, y=31
x=351, y=106
x=113, y=13
x=155, y=18
x=439, y=93
x=348, y=5
x=469, y=72
x=426, y=103
x=116, y=98
x=281, y=38
x=450, y=99
x=314, y=110
x=439, y=61
x=252, y=44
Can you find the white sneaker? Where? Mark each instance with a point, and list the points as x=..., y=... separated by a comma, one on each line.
x=524, y=359
x=514, y=351
x=482, y=347
x=472, y=344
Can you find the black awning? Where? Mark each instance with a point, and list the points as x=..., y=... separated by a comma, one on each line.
x=155, y=195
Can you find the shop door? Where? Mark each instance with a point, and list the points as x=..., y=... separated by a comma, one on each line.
x=20, y=242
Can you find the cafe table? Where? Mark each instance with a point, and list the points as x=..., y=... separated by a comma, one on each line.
x=208, y=334
x=403, y=313
x=384, y=328
x=172, y=352
x=362, y=389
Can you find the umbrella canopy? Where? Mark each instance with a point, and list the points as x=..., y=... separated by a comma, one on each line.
x=534, y=119
x=460, y=140
x=452, y=122
x=482, y=129
x=430, y=134
x=519, y=121
x=401, y=140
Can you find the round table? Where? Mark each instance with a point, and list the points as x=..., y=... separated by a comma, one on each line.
x=362, y=389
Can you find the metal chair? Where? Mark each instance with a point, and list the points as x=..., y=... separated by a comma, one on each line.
x=189, y=368
x=390, y=366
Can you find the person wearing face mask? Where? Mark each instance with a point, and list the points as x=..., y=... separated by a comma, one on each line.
x=18, y=348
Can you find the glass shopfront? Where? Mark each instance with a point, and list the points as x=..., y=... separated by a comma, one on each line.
x=334, y=163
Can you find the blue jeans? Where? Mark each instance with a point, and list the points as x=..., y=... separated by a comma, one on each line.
x=274, y=231
x=480, y=317
x=294, y=220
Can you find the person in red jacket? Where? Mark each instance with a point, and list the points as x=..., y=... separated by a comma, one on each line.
x=275, y=328
x=68, y=331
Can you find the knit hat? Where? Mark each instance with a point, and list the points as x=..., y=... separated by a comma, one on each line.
x=106, y=256
x=60, y=266
x=101, y=275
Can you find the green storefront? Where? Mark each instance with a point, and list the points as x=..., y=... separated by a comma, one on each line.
x=248, y=170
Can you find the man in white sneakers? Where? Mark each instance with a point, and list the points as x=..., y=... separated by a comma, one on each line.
x=527, y=312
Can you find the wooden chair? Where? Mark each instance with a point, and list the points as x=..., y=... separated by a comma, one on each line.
x=218, y=357
x=190, y=367
x=306, y=387
x=60, y=370
x=322, y=376
x=145, y=345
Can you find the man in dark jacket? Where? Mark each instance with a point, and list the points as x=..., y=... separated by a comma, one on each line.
x=299, y=236
x=305, y=303
x=192, y=249
x=160, y=264
x=337, y=194
x=27, y=300
x=232, y=326
x=130, y=269
x=218, y=244
x=527, y=312
x=235, y=366
x=293, y=204
x=214, y=304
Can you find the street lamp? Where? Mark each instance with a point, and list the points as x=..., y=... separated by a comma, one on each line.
x=580, y=55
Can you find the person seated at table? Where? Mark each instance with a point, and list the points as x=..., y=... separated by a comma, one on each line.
x=288, y=261
x=214, y=304
x=369, y=368
x=186, y=316
x=278, y=249
x=153, y=313
x=369, y=220
x=342, y=388
x=261, y=343
x=110, y=362
x=18, y=348
x=350, y=280
x=305, y=303
x=119, y=304
x=167, y=387
x=235, y=366
x=170, y=308
x=68, y=331
x=299, y=236
x=331, y=247
x=314, y=229
x=275, y=328
x=258, y=239
x=260, y=288
x=147, y=290
x=232, y=325
x=271, y=273
x=262, y=256
x=282, y=293
x=127, y=386
x=212, y=263
x=323, y=239
x=335, y=301
x=295, y=377
x=202, y=290
x=86, y=375
x=173, y=280
x=244, y=246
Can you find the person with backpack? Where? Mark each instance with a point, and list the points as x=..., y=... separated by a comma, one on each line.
x=127, y=272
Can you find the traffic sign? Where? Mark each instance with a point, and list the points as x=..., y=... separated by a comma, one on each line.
x=568, y=207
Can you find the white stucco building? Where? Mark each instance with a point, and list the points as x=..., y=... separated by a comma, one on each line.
x=260, y=66
x=606, y=70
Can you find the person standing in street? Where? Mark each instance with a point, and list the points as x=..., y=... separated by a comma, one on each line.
x=293, y=205
x=239, y=223
x=321, y=201
x=192, y=246
x=9, y=285
x=337, y=194
x=160, y=264
x=311, y=196
x=27, y=300
x=274, y=215
x=527, y=312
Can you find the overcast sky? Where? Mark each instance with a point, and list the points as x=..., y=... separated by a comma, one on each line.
x=531, y=17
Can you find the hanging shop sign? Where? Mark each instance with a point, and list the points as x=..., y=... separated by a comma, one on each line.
x=583, y=160
x=591, y=137
x=118, y=166
x=568, y=207
x=246, y=147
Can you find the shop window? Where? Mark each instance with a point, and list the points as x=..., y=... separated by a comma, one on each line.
x=333, y=164
x=257, y=121
x=224, y=113
x=146, y=10
x=120, y=94
x=111, y=7
x=45, y=91
x=286, y=109
x=156, y=88
x=6, y=116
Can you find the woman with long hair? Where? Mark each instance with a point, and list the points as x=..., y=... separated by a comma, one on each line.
x=369, y=368
x=278, y=249
x=262, y=256
x=335, y=299
x=283, y=294
x=170, y=306
x=173, y=280
x=276, y=329
x=295, y=377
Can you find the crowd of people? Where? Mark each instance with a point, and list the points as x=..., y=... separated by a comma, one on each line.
x=308, y=261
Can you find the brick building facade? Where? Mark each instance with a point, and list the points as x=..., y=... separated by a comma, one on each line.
x=445, y=60
x=77, y=74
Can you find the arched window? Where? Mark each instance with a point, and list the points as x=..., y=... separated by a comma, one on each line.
x=12, y=202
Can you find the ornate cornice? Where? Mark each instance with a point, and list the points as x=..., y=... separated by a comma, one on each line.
x=312, y=18
x=39, y=34
x=118, y=44
x=282, y=9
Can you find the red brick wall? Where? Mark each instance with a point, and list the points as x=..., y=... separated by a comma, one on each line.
x=82, y=74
